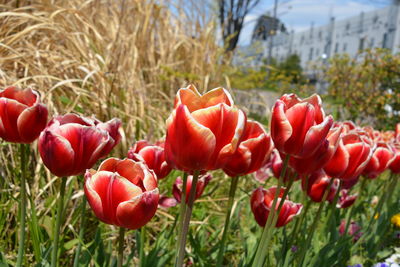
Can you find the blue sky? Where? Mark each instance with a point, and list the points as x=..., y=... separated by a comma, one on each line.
x=299, y=14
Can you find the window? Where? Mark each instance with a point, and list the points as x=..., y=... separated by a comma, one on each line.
x=336, y=47
x=344, y=47
x=384, y=41
x=310, y=55
x=361, y=43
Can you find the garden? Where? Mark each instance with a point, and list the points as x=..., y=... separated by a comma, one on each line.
x=122, y=144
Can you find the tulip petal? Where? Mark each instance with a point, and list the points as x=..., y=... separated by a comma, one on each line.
x=87, y=143
x=281, y=130
x=56, y=153
x=301, y=119
x=112, y=190
x=27, y=96
x=315, y=137
x=184, y=136
x=227, y=124
x=31, y=122
x=10, y=110
x=137, y=211
x=339, y=162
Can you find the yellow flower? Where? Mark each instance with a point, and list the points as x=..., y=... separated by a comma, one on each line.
x=396, y=220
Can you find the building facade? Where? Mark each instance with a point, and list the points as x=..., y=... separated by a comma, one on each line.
x=378, y=28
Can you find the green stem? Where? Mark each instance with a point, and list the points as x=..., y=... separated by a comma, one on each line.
x=185, y=225
x=121, y=246
x=348, y=221
x=314, y=224
x=24, y=150
x=295, y=230
x=81, y=231
x=141, y=248
x=232, y=191
x=56, y=231
x=261, y=250
x=182, y=210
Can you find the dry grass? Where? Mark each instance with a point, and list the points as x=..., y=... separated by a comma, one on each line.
x=110, y=58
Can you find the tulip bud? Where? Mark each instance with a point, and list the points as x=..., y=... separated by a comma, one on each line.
x=299, y=127
x=153, y=156
x=201, y=185
x=70, y=144
x=22, y=116
x=122, y=193
x=317, y=183
x=252, y=153
x=346, y=200
x=381, y=158
x=262, y=201
x=202, y=131
x=351, y=156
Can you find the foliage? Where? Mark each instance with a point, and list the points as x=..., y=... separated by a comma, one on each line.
x=366, y=88
x=279, y=76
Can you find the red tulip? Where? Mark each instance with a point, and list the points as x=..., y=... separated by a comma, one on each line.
x=316, y=185
x=353, y=230
x=153, y=156
x=299, y=127
x=202, y=131
x=395, y=164
x=22, y=116
x=382, y=156
x=252, y=153
x=70, y=144
x=346, y=200
x=262, y=201
x=351, y=156
x=321, y=157
x=201, y=185
x=122, y=192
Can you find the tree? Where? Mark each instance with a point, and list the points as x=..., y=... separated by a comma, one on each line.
x=231, y=16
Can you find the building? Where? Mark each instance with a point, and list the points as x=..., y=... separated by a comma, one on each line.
x=378, y=28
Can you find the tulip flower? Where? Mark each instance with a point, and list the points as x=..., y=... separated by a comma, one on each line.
x=395, y=164
x=299, y=127
x=381, y=158
x=153, y=156
x=202, y=131
x=351, y=156
x=252, y=153
x=261, y=203
x=317, y=184
x=353, y=230
x=201, y=185
x=321, y=157
x=346, y=200
x=277, y=166
x=122, y=193
x=70, y=144
x=22, y=115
